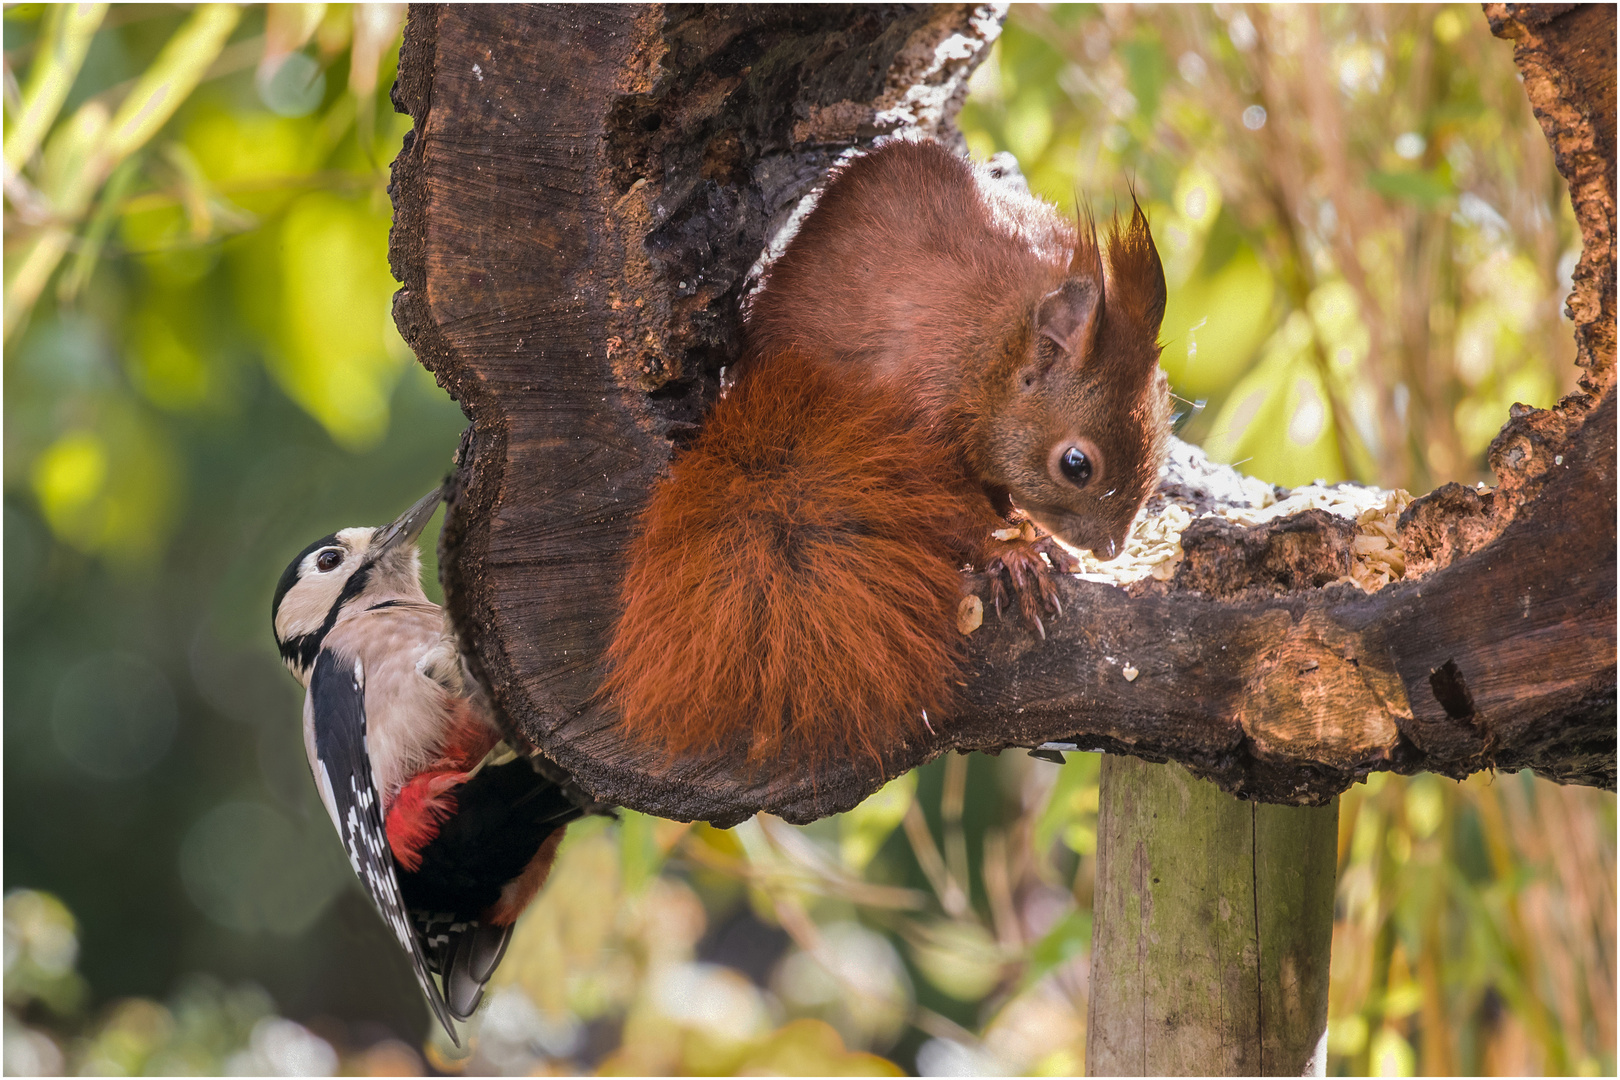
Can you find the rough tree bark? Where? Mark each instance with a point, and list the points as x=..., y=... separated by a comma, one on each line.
x=578, y=209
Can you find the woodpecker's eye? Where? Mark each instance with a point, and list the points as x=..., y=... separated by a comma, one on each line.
x=1076, y=466
x=328, y=560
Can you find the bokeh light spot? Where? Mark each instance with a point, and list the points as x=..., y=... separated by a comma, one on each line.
x=1310, y=416
x=251, y=869
x=69, y=475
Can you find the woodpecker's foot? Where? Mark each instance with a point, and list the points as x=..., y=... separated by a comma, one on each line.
x=1018, y=561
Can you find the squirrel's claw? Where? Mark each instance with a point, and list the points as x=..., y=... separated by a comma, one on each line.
x=1062, y=559
x=1019, y=565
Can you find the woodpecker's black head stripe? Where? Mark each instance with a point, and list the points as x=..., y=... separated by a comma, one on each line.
x=305, y=647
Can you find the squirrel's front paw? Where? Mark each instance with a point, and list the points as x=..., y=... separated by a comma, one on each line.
x=1019, y=561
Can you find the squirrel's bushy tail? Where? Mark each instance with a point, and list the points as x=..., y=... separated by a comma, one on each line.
x=793, y=584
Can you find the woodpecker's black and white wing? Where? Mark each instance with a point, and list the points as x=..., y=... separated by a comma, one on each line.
x=336, y=711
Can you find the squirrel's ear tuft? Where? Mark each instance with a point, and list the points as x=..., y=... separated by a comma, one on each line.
x=1069, y=314
x=1137, y=275
x=1087, y=260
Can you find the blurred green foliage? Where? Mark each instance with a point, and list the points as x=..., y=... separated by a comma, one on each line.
x=205, y=379
x=1475, y=929
x=1366, y=242
x=201, y=375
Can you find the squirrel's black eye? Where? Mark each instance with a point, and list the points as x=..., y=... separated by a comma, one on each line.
x=328, y=560
x=1076, y=466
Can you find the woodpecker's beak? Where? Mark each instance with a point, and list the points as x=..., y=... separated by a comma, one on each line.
x=408, y=526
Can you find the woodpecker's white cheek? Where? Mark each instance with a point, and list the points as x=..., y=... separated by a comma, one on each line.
x=305, y=607
x=303, y=610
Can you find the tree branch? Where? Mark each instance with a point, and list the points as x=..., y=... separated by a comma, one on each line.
x=578, y=211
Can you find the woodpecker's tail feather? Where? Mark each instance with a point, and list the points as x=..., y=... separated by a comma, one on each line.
x=464, y=954
x=476, y=956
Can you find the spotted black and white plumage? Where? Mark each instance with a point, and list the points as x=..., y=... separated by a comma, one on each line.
x=450, y=831
x=336, y=708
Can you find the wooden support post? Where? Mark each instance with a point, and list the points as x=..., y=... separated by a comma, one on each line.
x=1214, y=918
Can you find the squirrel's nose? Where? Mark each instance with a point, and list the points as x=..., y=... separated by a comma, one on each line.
x=1110, y=546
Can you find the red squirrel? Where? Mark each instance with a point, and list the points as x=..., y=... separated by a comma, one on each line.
x=932, y=352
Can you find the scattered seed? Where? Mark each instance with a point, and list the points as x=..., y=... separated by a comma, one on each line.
x=969, y=614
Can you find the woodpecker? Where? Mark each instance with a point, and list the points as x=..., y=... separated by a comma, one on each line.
x=451, y=829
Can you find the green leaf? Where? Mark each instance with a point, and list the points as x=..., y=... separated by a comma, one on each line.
x=639, y=854
x=1073, y=802
x=169, y=81
x=863, y=830
x=1067, y=939
x=101, y=225
x=1214, y=325
x=1424, y=188
x=1278, y=421
x=961, y=959
x=338, y=352
x=1148, y=68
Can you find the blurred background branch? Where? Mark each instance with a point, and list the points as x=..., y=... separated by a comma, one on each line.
x=1368, y=249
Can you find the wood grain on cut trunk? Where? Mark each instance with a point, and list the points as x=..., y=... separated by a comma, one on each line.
x=584, y=195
